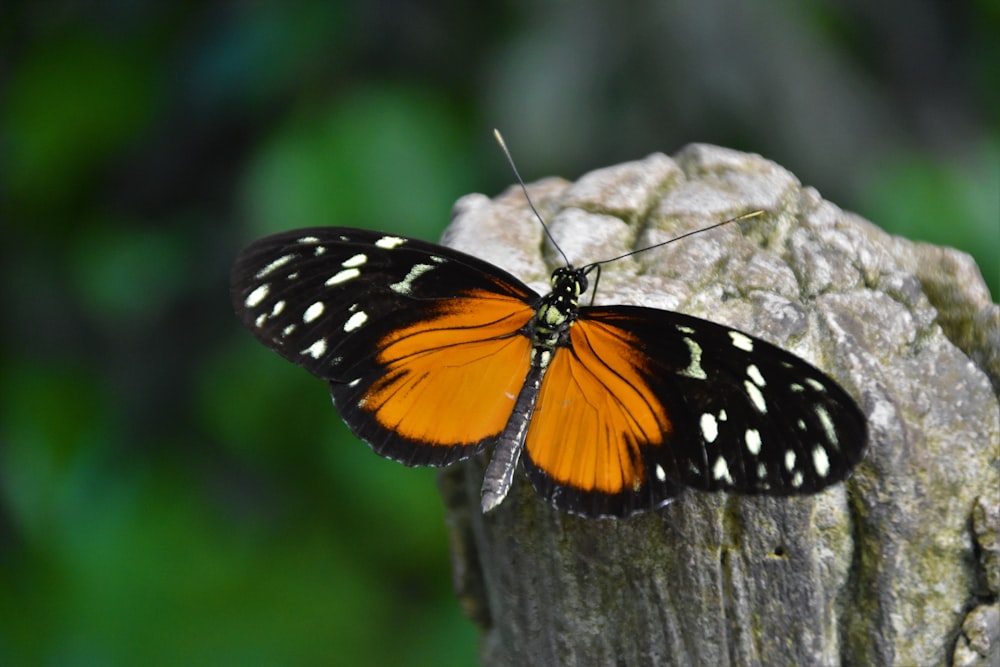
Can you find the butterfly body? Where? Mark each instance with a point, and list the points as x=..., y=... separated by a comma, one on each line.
x=433, y=356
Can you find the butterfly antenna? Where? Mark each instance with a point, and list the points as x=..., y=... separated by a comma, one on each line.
x=751, y=214
x=524, y=189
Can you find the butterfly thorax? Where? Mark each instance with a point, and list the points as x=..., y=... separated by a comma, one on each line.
x=556, y=313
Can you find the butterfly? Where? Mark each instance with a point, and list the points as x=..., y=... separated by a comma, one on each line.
x=433, y=356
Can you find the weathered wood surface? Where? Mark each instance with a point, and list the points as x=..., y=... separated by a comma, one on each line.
x=898, y=566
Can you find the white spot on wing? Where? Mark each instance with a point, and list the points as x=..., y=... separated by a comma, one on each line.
x=790, y=460
x=754, y=374
x=709, y=427
x=308, y=239
x=342, y=277
x=255, y=297
x=661, y=474
x=818, y=386
x=824, y=419
x=317, y=349
x=355, y=261
x=721, y=470
x=390, y=242
x=355, y=321
x=741, y=341
x=405, y=286
x=694, y=369
x=277, y=308
x=313, y=312
x=684, y=329
x=797, y=480
x=281, y=261
x=752, y=438
x=821, y=461
x=756, y=397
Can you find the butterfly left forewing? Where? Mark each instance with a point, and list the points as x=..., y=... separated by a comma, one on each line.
x=420, y=343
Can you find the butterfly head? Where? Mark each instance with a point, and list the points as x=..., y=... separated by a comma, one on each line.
x=560, y=307
x=569, y=281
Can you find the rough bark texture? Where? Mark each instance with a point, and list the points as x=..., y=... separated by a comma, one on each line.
x=898, y=566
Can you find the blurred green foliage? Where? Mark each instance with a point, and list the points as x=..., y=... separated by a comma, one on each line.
x=173, y=494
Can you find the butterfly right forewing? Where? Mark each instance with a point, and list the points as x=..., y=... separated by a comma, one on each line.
x=745, y=415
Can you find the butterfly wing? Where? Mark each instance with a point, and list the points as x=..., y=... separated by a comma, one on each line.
x=644, y=401
x=421, y=345
x=596, y=417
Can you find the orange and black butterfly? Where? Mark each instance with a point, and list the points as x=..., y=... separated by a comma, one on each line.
x=433, y=356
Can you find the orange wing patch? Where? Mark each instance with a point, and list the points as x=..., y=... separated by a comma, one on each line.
x=594, y=410
x=468, y=360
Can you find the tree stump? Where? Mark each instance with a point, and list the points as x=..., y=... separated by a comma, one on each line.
x=900, y=565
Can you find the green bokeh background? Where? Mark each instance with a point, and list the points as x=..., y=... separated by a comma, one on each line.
x=171, y=493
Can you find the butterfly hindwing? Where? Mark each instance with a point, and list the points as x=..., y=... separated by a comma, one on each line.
x=398, y=327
